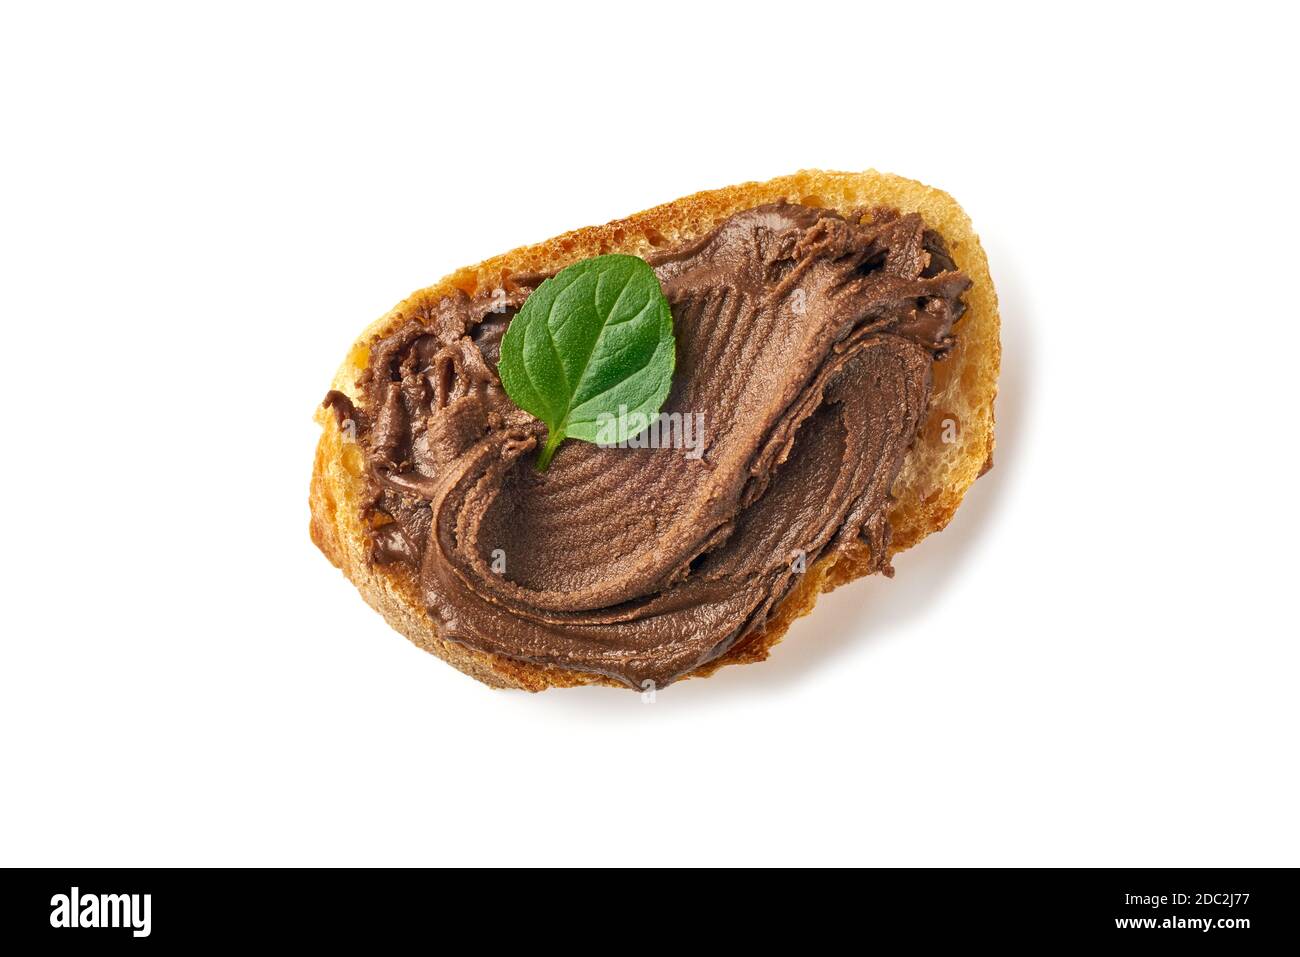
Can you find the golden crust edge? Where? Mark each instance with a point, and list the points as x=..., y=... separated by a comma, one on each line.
x=931, y=485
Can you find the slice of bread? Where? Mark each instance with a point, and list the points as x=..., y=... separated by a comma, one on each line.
x=954, y=447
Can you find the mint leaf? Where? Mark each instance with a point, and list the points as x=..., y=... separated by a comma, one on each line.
x=596, y=336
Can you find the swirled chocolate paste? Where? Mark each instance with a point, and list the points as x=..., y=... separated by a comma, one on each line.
x=804, y=338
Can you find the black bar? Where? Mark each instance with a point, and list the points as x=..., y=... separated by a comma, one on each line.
x=1226, y=908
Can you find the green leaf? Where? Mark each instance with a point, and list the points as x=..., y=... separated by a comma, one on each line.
x=595, y=337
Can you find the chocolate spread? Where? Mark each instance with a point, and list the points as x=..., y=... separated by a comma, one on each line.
x=805, y=340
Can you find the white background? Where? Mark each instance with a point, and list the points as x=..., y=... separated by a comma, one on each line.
x=1096, y=664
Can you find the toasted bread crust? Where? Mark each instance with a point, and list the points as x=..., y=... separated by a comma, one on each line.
x=954, y=448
